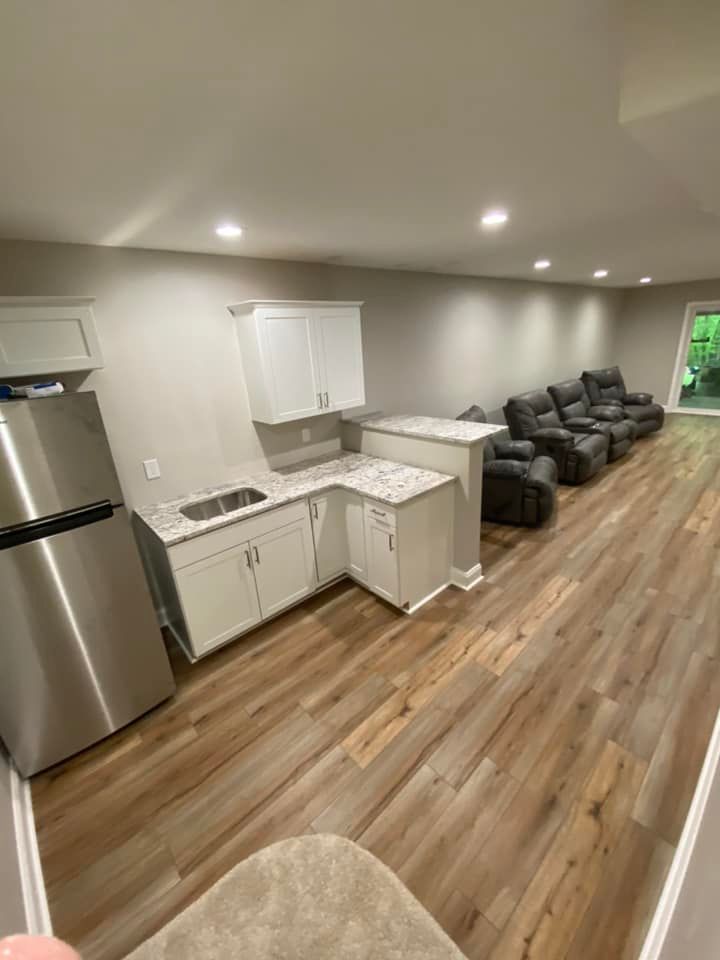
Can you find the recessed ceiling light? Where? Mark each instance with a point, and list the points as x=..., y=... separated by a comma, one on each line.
x=494, y=218
x=541, y=264
x=228, y=230
x=599, y=274
x=645, y=279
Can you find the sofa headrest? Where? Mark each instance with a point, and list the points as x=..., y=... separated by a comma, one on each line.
x=475, y=413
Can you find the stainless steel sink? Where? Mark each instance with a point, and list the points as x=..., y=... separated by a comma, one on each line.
x=227, y=503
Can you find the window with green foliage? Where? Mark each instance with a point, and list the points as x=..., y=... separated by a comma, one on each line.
x=705, y=342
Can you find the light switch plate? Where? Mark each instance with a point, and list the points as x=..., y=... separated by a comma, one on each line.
x=152, y=469
x=305, y=434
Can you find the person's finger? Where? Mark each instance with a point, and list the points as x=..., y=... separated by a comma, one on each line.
x=27, y=947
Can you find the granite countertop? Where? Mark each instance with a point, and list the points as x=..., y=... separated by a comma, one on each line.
x=463, y=432
x=383, y=480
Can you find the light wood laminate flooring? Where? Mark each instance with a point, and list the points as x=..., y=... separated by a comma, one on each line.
x=522, y=755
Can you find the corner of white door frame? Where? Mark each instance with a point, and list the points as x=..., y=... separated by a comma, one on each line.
x=37, y=912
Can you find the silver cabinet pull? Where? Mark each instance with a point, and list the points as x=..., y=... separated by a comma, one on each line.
x=257, y=555
x=320, y=403
x=390, y=539
x=248, y=561
x=327, y=402
x=315, y=511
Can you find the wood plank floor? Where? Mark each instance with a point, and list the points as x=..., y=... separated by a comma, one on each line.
x=522, y=755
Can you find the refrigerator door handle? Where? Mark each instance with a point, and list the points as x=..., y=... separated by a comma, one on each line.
x=49, y=526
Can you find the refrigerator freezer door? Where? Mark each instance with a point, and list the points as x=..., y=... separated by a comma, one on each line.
x=81, y=653
x=54, y=456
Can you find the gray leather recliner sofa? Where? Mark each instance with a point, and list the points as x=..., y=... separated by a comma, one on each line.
x=581, y=416
x=607, y=387
x=579, y=456
x=518, y=487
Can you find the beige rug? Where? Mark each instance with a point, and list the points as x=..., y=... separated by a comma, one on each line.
x=309, y=898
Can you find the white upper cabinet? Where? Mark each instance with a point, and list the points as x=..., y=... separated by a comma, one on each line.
x=286, y=338
x=301, y=358
x=339, y=349
x=46, y=335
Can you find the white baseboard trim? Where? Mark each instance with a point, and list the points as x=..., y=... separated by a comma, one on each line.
x=693, y=411
x=662, y=918
x=427, y=599
x=466, y=579
x=37, y=912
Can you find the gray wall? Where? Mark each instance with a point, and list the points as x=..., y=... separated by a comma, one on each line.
x=12, y=911
x=649, y=333
x=435, y=344
x=173, y=388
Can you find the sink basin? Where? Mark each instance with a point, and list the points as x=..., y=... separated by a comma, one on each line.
x=227, y=503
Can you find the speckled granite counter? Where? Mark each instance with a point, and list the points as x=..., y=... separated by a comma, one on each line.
x=383, y=480
x=464, y=432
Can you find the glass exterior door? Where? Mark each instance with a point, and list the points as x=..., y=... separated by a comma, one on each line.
x=700, y=385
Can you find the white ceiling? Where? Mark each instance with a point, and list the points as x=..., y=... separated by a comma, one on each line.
x=368, y=132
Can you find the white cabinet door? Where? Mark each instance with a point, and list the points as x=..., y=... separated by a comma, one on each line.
x=40, y=335
x=284, y=565
x=355, y=528
x=339, y=346
x=383, y=573
x=218, y=597
x=328, y=524
x=287, y=337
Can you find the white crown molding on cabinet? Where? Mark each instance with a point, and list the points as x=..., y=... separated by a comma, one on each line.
x=235, y=308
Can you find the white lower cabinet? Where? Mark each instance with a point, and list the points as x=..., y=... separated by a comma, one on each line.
x=355, y=530
x=403, y=553
x=214, y=587
x=383, y=573
x=339, y=535
x=227, y=581
x=327, y=513
x=219, y=598
x=284, y=566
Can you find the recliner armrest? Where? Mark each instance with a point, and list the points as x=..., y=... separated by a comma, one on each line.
x=506, y=469
x=514, y=450
x=607, y=412
x=553, y=442
x=580, y=424
x=555, y=434
x=639, y=399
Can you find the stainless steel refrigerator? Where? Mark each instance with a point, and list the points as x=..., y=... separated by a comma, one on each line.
x=81, y=652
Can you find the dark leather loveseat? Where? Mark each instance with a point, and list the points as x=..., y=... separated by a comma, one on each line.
x=607, y=387
x=581, y=416
x=518, y=487
x=579, y=456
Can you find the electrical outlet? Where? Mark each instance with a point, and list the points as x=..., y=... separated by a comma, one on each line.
x=305, y=434
x=152, y=469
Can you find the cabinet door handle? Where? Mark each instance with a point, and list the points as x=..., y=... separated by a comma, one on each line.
x=257, y=555
x=315, y=511
x=390, y=541
x=378, y=513
x=248, y=561
x=320, y=403
x=327, y=402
